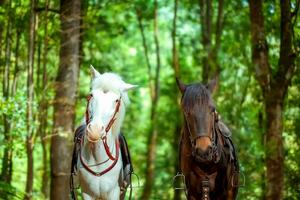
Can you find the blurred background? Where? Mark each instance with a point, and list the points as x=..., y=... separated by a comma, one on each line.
x=47, y=46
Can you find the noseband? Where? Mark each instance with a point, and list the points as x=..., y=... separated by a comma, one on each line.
x=111, y=121
x=214, y=151
x=104, y=140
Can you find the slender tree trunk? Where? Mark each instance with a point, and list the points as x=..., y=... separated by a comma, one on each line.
x=175, y=62
x=152, y=137
x=16, y=70
x=274, y=86
x=44, y=110
x=205, y=19
x=141, y=27
x=6, y=172
x=1, y=47
x=210, y=65
x=177, y=125
x=29, y=112
x=65, y=98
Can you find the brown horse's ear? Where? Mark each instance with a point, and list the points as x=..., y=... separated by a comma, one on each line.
x=212, y=85
x=180, y=85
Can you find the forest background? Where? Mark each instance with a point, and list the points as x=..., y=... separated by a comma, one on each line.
x=251, y=47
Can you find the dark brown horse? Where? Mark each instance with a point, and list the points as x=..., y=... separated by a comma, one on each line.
x=208, y=159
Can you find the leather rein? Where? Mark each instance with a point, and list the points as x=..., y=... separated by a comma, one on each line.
x=104, y=141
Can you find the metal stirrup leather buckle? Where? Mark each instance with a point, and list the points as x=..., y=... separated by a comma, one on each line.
x=205, y=190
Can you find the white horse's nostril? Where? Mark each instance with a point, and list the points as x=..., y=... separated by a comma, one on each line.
x=93, y=131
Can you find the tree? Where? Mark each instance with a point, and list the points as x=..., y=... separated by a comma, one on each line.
x=43, y=103
x=177, y=125
x=210, y=63
x=6, y=171
x=29, y=110
x=274, y=85
x=154, y=87
x=65, y=98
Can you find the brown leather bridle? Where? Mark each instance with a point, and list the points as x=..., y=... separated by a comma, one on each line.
x=104, y=140
x=214, y=151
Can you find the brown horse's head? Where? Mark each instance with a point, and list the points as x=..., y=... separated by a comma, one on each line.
x=199, y=112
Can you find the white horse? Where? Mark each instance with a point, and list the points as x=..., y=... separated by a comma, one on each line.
x=100, y=159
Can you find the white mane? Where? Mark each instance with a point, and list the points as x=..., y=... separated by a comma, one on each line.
x=111, y=82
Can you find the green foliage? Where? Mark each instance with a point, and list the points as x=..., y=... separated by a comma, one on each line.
x=9, y=192
x=112, y=42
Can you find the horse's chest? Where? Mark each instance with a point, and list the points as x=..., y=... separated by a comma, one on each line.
x=99, y=186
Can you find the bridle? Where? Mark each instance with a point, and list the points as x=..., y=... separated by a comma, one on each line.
x=214, y=153
x=103, y=139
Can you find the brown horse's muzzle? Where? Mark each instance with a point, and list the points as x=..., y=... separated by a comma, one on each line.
x=202, y=143
x=204, y=150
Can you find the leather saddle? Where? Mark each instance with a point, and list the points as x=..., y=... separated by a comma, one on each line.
x=226, y=133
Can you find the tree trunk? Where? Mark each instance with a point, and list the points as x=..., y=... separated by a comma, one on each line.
x=29, y=111
x=274, y=86
x=44, y=110
x=65, y=98
x=139, y=18
x=16, y=70
x=175, y=62
x=205, y=19
x=177, y=125
x=274, y=147
x=210, y=65
x=152, y=136
x=6, y=172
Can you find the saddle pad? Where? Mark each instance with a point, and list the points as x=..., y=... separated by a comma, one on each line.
x=224, y=129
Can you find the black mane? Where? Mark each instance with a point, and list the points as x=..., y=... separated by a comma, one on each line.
x=196, y=94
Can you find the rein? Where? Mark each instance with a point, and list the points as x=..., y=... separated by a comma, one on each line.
x=115, y=160
x=104, y=140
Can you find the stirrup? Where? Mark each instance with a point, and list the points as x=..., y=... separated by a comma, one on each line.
x=179, y=175
x=233, y=178
x=138, y=180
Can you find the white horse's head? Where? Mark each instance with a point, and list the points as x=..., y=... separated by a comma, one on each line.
x=106, y=104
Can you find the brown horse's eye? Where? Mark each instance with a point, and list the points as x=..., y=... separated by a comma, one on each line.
x=213, y=109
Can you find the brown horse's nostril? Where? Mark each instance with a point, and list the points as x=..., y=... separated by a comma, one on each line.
x=202, y=143
x=203, y=151
x=200, y=151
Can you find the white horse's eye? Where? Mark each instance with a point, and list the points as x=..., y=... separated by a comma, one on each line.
x=117, y=100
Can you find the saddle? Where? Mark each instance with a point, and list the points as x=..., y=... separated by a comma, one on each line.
x=125, y=173
x=226, y=133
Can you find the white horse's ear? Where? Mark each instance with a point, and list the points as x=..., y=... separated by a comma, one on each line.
x=128, y=86
x=94, y=72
